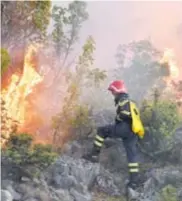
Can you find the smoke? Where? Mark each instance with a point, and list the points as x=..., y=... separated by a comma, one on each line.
x=114, y=23
x=110, y=24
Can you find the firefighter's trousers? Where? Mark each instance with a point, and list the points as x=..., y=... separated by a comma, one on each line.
x=122, y=130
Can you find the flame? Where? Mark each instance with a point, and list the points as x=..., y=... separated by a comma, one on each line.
x=173, y=80
x=15, y=96
x=169, y=59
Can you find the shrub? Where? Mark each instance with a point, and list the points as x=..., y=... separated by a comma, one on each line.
x=5, y=60
x=21, y=152
x=100, y=196
x=161, y=119
x=168, y=193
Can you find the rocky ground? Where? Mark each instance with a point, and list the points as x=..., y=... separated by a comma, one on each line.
x=72, y=178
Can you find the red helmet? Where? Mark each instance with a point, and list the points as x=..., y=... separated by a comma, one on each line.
x=117, y=86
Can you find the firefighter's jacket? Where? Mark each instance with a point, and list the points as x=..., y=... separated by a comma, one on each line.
x=127, y=111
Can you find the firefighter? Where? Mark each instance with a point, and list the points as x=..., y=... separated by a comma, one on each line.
x=126, y=115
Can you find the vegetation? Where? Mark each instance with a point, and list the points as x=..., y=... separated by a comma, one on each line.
x=68, y=21
x=24, y=21
x=26, y=24
x=168, y=193
x=21, y=152
x=77, y=114
x=101, y=196
x=138, y=64
x=5, y=60
x=161, y=118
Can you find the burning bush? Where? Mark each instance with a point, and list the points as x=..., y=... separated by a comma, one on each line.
x=33, y=97
x=8, y=125
x=20, y=108
x=28, y=157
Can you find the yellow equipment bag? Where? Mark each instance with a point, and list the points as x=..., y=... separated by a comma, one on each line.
x=137, y=125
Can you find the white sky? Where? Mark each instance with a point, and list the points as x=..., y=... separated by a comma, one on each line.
x=115, y=22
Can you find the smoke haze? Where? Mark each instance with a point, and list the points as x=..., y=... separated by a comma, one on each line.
x=115, y=22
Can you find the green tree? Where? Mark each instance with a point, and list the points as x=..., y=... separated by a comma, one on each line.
x=22, y=21
x=5, y=60
x=67, y=24
x=75, y=112
x=138, y=66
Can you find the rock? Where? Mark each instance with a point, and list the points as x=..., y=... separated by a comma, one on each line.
x=175, y=156
x=169, y=175
x=112, y=153
x=133, y=195
x=63, y=195
x=33, y=191
x=180, y=194
x=149, y=189
x=11, y=171
x=5, y=183
x=79, y=196
x=16, y=196
x=72, y=178
x=42, y=195
x=36, y=181
x=6, y=196
x=28, y=191
x=74, y=149
x=105, y=182
x=24, y=189
x=73, y=171
x=31, y=199
x=64, y=182
x=81, y=176
x=178, y=135
x=25, y=179
x=158, y=185
x=114, y=157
